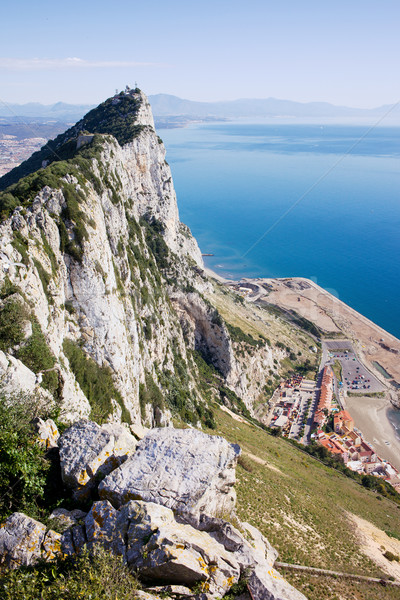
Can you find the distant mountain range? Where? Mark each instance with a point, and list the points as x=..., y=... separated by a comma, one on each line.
x=59, y=111
x=165, y=105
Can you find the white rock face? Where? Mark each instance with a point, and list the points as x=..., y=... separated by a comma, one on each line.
x=271, y=585
x=87, y=450
x=183, y=469
x=100, y=314
x=205, y=331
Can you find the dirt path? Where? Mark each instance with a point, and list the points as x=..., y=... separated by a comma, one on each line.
x=291, y=567
x=375, y=542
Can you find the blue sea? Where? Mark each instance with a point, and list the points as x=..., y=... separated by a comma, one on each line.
x=286, y=199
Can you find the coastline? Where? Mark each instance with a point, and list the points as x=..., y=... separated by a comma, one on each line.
x=370, y=416
x=333, y=316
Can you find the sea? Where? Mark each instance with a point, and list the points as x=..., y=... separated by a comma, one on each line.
x=277, y=198
x=313, y=200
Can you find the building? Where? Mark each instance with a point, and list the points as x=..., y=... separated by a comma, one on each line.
x=325, y=398
x=343, y=423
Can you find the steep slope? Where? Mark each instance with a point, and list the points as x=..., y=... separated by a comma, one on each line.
x=83, y=241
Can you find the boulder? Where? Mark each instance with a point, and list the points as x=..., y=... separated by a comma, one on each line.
x=182, y=469
x=88, y=452
x=142, y=595
x=21, y=540
x=161, y=549
x=254, y=555
x=138, y=430
x=172, y=590
x=270, y=585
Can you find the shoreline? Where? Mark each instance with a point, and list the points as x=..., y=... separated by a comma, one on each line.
x=371, y=418
x=321, y=307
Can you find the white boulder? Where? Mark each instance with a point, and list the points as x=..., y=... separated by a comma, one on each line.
x=183, y=469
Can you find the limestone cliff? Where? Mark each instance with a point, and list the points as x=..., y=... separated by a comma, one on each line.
x=82, y=245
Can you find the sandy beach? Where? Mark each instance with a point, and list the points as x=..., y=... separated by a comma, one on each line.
x=370, y=417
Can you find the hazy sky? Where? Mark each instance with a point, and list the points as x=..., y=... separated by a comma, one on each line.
x=344, y=52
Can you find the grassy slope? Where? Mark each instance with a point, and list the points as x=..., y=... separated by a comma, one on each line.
x=300, y=506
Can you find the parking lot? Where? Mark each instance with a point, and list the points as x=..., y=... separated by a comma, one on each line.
x=355, y=377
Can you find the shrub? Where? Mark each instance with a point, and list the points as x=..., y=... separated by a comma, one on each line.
x=98, y=575
x=96, y=382
x=390, y=556
x=245, y=463
x=12, y=316
x=22, y=465
x=238, y=335
x=38, y=357
x=154, y=230
x=149, y=393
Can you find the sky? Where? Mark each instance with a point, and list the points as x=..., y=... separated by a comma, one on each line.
x=344, y=52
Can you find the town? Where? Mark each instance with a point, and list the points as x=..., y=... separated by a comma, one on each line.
x=13, y=151
x=314, y=411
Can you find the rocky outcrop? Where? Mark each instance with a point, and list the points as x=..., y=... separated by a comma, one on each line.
x=182, y=469
x=159, y=547
x=17, y=381
x=89, y=452
x=170, y=537
x=165, y=550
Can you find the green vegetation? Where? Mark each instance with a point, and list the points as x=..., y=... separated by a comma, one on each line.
x=337, y=369
x=149, y=393
x=177, y=395
x=13, y=314
x=30, y=477
x=238, y=335
x=317, y=587
x=334, y=461
x=20, y=243
x=292, y=316
x=8, y=288
x=96, y=383
x=211, y=381
x=38, y=357
x=45, y=278
x=96, y=575
x=34, y=353
x=153, y=230
x=22, y=464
